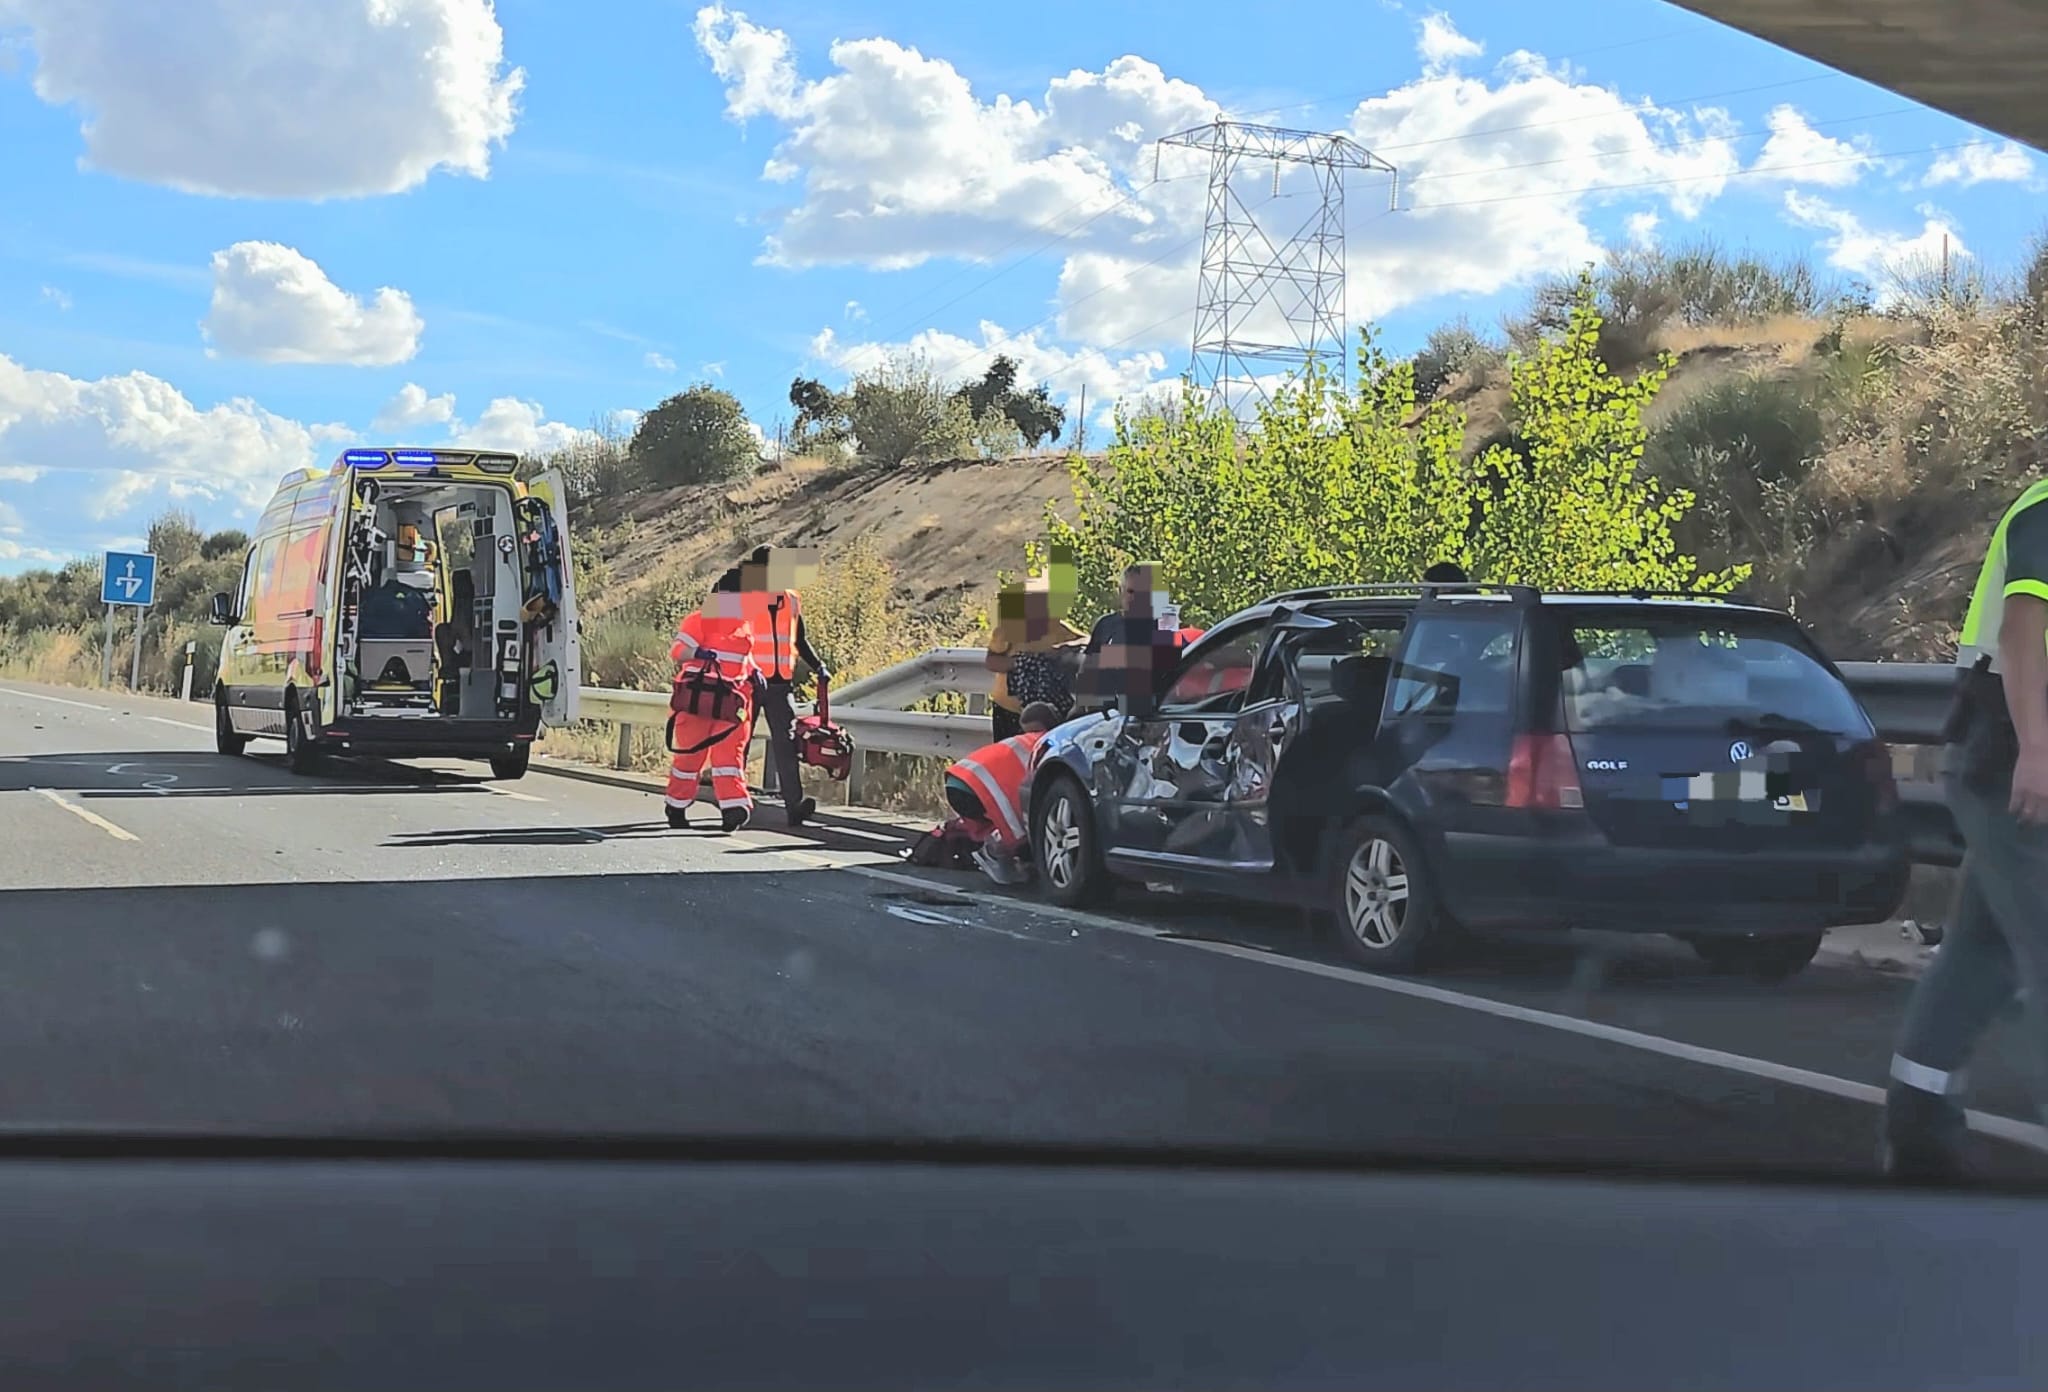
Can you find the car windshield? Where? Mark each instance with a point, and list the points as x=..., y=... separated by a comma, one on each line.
x=1693, y=671
x=1370, y=582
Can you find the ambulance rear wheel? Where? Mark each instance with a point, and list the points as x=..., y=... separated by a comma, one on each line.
x=301, y=750
x=226, y=739
x=512, y=767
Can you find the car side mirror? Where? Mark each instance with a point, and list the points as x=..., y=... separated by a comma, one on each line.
x=222, y=610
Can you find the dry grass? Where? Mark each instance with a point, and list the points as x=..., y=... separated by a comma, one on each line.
x=54, y=657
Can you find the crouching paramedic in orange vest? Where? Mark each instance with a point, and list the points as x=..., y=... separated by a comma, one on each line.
x=987, y=786
x=713, y=707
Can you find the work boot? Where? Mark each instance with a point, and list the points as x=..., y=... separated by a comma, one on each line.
x=1923, y=1137
x=803, y=811
x=678, y=818
x=734, y=818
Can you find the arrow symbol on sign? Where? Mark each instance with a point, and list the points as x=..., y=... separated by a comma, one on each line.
x=129, y=581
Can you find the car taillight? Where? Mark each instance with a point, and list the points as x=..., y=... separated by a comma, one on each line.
x=319, y=641
x=1544, y=773
x=1876, y=758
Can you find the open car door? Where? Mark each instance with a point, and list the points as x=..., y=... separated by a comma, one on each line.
x=555, y=642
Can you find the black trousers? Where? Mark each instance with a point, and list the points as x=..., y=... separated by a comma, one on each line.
x=774, y=704
x=1006, y=723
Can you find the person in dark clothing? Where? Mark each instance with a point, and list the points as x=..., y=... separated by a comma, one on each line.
x=774, y=613
x=1126, y=651
x=1445, y=573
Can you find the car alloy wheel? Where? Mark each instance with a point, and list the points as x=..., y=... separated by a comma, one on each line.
x=1376, y=894
x=1061, y=855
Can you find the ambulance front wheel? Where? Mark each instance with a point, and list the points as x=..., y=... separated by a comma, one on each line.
x=512, y=767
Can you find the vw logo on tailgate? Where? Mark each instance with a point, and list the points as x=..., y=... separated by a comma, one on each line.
x=1739, y=751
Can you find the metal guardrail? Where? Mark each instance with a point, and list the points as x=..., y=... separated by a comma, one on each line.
x=871, y=709
x=1907, y=702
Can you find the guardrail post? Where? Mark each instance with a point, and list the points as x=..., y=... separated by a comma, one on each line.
x=856, y=779
x=622, y=758
x=185, y=690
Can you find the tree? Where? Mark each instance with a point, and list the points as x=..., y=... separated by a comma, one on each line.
x=696, y=436
x=1032, y=412
x=230, y=541
x=900, y=414
x=174, y=538
x=1351, y=485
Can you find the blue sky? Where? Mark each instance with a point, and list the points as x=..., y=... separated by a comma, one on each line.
x=230, y=248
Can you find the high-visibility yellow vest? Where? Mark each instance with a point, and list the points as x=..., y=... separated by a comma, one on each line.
x=1987, y=603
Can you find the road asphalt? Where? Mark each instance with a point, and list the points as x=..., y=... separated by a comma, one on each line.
x=202, y=943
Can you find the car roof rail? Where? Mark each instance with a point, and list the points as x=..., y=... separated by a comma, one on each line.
x=1742, y=597
x=1409, y=587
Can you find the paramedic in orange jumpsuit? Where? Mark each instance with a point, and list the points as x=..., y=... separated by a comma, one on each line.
x=775, y=615
x=716, y=633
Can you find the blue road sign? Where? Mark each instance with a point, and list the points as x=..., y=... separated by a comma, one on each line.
x=128, y=577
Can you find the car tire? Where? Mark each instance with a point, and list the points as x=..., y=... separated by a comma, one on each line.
x=1064, y=842
x=1774, y=958
x=301, y=751
x=1383, y=897
x=512, y=767
x=226, y=739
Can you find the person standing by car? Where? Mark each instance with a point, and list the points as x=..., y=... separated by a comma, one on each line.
x=1021, y=647
x=1997, y=787
x=774, y=613
x=1126, y=651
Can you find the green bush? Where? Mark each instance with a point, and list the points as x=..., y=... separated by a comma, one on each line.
x=1335, y=485
x=900, y=414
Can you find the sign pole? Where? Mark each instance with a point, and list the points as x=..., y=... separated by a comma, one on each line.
x=135, y=664
x=107, y=651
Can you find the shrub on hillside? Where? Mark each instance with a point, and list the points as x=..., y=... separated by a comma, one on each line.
x=900, y=413
x=696, y=436
x=1452, y=350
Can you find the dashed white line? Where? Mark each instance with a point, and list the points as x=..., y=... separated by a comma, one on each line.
x=181, y=724
x=2027, y=1134
x=512, y=793
x=55, y=700
x=94, y=818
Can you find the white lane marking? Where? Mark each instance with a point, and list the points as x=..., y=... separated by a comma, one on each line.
x=56, y=700
x=512, y=793
x=93, y=817
x=2028, y=1134
x=181, y=724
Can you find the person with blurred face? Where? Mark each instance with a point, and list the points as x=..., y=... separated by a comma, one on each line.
x=774, y=613
x=1126, y=652
x=1023, y=648
x=713, y=715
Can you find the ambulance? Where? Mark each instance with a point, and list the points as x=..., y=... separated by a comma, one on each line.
x=412, y=603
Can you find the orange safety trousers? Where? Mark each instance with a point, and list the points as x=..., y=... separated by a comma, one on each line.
x=725, y=762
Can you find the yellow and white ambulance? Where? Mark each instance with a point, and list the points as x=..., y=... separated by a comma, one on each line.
x=404, y=603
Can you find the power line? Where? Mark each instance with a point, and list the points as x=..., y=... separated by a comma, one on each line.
x=1754, y=170
x=1655, y=147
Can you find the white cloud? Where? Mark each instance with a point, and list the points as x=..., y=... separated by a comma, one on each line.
x=412, y=407
x=899, y=161
x=1642, y=228
x=19, y=473
x=273, y=304
x=519, y=427
x=345, y=98
x=856, y=311
x=52, y=295
x=1982, y=163
x=713, y=369
x=1878, y=257
x=1441, y=45
x=11, y=550
x=136, y=435
x=1796, y=153
x=660, y=362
